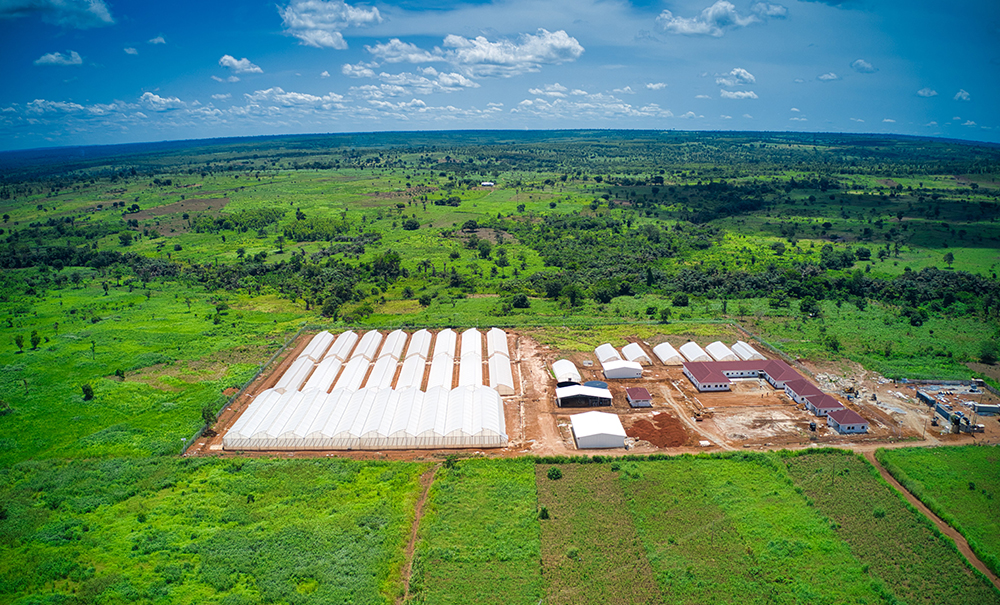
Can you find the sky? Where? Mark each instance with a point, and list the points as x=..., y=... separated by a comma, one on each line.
x=87, y=72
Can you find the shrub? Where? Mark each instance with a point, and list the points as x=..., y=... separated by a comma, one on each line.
x=554, y=473
x=411, y=224
x=88, y=392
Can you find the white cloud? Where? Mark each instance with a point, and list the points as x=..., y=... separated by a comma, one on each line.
x=656, y=85
x=396, y=51
x=131, y=51
x=73, y=58
x=738, y=94
x=969, y=123
x=80, y=14
x=230, y=79
x=430, y=82
x=480, y=57
x=713, y=21
x=157, y=40
x=798, y=119
x=624, y=91
x=241, y=66
x=962, y=95
x=766, y=9
x=863, y=67
x=319, y=23
x=587, y=107
x=931, y=124
x=795, y=109
x=157, y=103
x=278, y=96
x=550, y=90
x=738, y=76
x=725, y=117
x=927, y=92
x=857, y=120
x=222, y=97
x=889, y=121
x=828, y=77
x=748, y=116
x=702, y=97
x=361, y=70
x=690, y=115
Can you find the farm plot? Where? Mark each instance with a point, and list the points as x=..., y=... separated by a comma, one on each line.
x=204, y=531
x=479, y=538
x=898, y=544
x=961, y=485
x=732, y=530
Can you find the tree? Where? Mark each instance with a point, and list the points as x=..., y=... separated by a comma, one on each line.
x=19, y=341
x=863, y=253
x=520, y=301
x=573, y=293
x=470, y=225
x=411, y=224
x=88, y=392
x=208, y=415
x=484, y=248
x=35, y=340
x=665, y=315
x=280, y=240
x=988, y=352
x=331, y=307
x=809, y=307
x=425, y=300
x=949, y=258
x=125, y=237
x=554, y=473
x=241, y=252
x=680, y=300
x=778, y=247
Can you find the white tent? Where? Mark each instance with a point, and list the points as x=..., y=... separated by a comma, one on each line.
x=382, y=373
x=565, y=371
x=746, y=352
x=441, y=372
x=420, y=344
x=693, y=352
x=412, y=373
x=353, y=374
x=317, y=346
x=368, y=345
x=597, y=430
x=343, y=346
x=295, y=375
x=393, y=345
x=496, y=342
x=326, y=372
x=622, y=369
x=472, y=342
x=470, y=370
x=720, y=352
x=501, y=375
x=634, y=352
x=668, y=354
x=444, y=343
x=606, y=352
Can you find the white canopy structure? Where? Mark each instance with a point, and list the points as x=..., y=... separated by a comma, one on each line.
x=326, y=372
x=597, y=430
x=420, y=344
x=472, y=343
x=501, y=375
x=668, y=354
x=565, y=371
x=353, y=375
x=441, y=372
x=411, y=376
x=467, y=417
x=746, y=352
x=343, y=346
x=382, y=373
x=720, y=352
x=445, y=343
x=317, y=346
x=470, y=370
x=393, y=345
x=368, y=345
x=622, y=369
x=693, y=352
x=295, y=375
x=496, y=343
x=606, y=352
x=634, y=352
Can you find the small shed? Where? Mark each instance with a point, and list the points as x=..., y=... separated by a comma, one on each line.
x=847, y=421
x=580, y=396
x=634, y=352
x=597, y=430
x=565, y=371
x=720, y=352
x=639, y=397
x=668, y=354
x=746, y=352
x=606, y=353
x=622, y=369
x=692, y=352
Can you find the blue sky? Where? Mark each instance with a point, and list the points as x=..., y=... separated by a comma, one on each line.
x=80, y=72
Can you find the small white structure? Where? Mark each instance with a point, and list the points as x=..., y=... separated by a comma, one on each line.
x=295, y=376
x=343, y=346
x=692, y=352
x=606, y=353
x=445, y=343
x=634, y=352
x=393, y=345
x=597, y=430
x=411, y=376
x=420, y=344
x=368, y=345
x=496, y=343
x=746, y=352
x=501, y=376
x=565, y=371
x=317, y=346
x=580, y=396
x=668, y=354
x=720, y=352
x=472, y=343
x=622, y=369
x=326, y=372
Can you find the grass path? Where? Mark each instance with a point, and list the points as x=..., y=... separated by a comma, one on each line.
x=426, y=480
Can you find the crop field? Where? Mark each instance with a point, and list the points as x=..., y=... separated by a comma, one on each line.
x=961, y=485
x=204, y=531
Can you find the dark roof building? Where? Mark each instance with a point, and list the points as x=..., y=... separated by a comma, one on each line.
x=639, y=397
x=847, y=421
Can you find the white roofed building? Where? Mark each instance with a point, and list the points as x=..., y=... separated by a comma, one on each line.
x=598, y=430
x=565, y=371
x=668, y=354
x=746, y=352
x=622, y=369
x=606, y=353
x=692, y=352
x=720, y=352
x=634, y=352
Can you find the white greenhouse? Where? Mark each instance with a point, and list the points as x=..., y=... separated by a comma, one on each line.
x=368, y=345
x=326, y=372
x=720, y=352
x=393, y=346
x=445, y=343
x=317, y=346
x=692, y=352
x=470, y=371
x=472, y=343
x=746, y=352
x=343, y=346
x=382, y=373
x=668, y=354
x=606, y=353
x=565, y=371
x=634, y=352
x=622, y=369
x=501, y=375
x=496, y=342
x=412, y=373
x=295, y=376
x=598, y=430
x=353, y=374
x=420, y=344
x=441, y=373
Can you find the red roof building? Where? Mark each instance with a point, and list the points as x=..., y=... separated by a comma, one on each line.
x=847, y=421
x=639, y=397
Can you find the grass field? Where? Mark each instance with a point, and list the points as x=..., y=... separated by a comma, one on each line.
x=961, y=485
x=204, y=531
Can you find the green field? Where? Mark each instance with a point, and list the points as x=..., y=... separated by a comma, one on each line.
x=960, y=484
